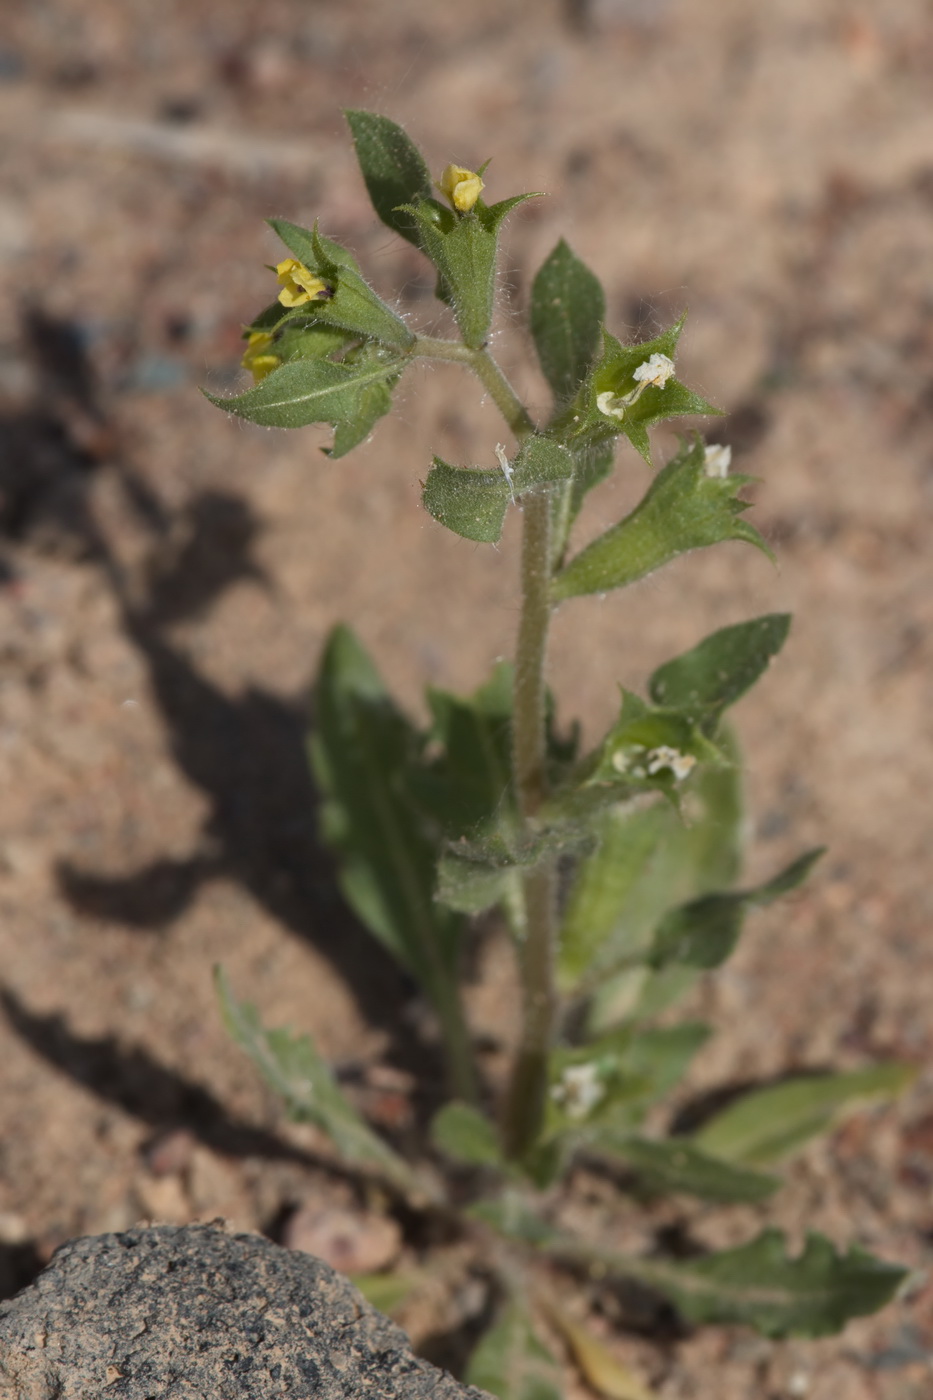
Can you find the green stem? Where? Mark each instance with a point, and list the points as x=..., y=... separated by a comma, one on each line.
x=484, y=366
x=526, y=1098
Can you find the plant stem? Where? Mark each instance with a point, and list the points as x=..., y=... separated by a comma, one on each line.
x=526, y=1097
x=484, y=366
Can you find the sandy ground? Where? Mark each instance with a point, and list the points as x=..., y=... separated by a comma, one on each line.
x=168, y=576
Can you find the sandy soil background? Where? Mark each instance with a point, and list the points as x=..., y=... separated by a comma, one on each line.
x=168, y=576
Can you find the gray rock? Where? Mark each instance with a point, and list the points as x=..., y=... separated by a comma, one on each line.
x=194, y=1313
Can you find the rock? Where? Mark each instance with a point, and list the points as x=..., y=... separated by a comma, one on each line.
x=188, y=1312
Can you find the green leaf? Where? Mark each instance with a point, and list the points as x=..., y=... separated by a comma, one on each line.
x=511, y=1363
x=463, y=248
x=463, y=1133
x=472, y=502
x=603, y=922
x=472, y=886
x=567, y=310
x=683, y=509
x=767, y=1124
x=310, y=391
x=714, y=674
x=365, y=754
x=353, y=305
x=293, y=1068
x=704, y=932
x=468, y=786
x=812, y=1295
x=677, y=1166
x=393, y=169
x=466, y=500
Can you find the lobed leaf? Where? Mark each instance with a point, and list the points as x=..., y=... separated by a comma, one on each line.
x=683, y=509
x=759, y=1284
x=393, y=169
x=767, y=1124
x=291, y=1066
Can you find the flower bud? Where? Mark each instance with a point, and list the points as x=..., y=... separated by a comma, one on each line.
x=257, y=357
x=461, y=186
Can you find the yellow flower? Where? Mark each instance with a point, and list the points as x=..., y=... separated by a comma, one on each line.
x=461, y=186
x=258, y=359
x=299, y=284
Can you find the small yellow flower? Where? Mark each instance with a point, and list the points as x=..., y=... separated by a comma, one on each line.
x=461, y=186
x=299, y=284
x=258, y=358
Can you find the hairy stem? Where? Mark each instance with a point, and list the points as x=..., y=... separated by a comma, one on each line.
x=527, y=1093
x=526, y=1098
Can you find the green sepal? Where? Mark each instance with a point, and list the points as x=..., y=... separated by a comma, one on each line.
x=583, y=423
x=704, y=932
x=765, y=1125
x=511, y=1363
x=393, y=169
x=677, y=1166
x=719, y=670
x=311, y=391
x=472, y=502
x=463, y=249
x=461, y=1132
x=683, y=509
x=567, y=310
x=353, y=306
x=291, y=1066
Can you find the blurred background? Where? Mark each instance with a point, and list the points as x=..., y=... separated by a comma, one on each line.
x=167, y=574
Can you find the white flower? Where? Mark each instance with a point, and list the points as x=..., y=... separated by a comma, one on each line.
x=579, y=1090
x=664, y=756
x=611, y=404
x=717, y=458
x=657, y=371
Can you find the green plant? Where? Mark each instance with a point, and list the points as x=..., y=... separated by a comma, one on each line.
x=615, y=870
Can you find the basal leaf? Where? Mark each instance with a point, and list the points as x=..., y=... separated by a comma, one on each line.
x=393, y=169
x=767, y=1124
x=683, y=509
x=676, y=1166
x=293, y=1068
x=463, y=1133
x=365, y=753
x=567, y=311
x=511, y=1362
x=761, y=1285
x=721, y=668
